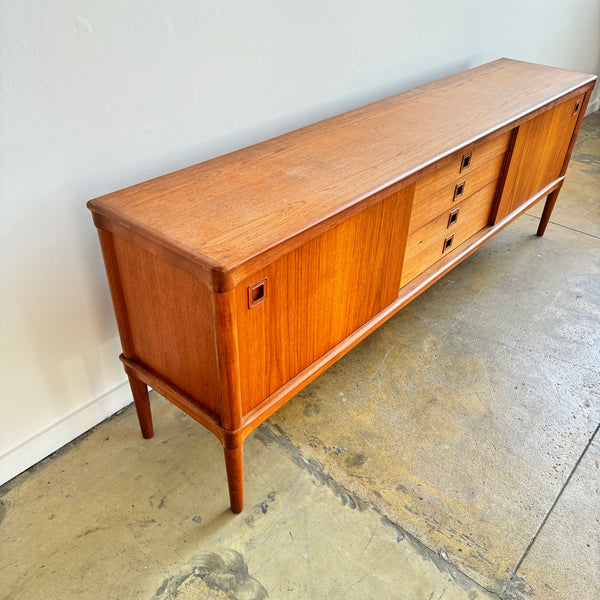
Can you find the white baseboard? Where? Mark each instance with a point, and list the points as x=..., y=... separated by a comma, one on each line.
x=44, y=443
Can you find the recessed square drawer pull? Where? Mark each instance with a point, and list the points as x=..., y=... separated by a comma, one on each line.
x=577, y=106
x=465, y=162
x=453, y=217
x=257, y=292
x=448, y=243
x=459, y=190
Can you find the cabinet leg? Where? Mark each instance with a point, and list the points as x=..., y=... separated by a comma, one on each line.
x=142, y=405
x=548, y=207
x=234, y=463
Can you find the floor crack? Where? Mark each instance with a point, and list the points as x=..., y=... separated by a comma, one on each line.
x=558, y=496
x=566, y=227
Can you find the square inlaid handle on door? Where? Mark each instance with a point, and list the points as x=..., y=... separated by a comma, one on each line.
x=257, y=292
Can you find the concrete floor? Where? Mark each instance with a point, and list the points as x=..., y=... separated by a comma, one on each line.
x=454, y=454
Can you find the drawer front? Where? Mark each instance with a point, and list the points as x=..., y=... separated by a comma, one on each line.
x=431, y=201
x=452, y=218
x=451, y=168
x=443, y=245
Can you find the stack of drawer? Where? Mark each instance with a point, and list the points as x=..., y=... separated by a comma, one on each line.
x=452, y=201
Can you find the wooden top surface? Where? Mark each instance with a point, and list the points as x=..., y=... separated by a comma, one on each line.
x=233, y=208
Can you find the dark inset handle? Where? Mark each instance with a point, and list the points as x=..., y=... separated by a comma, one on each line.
x=577, y=106
x=448, y=243
x=459, y=190
x=453, y=217
x=257, y=292
x=465, y=162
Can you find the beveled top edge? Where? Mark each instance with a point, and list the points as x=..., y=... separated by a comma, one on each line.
x=234, y=207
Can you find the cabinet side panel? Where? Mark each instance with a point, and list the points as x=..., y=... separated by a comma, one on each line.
x=318, y=294
x=171, y=322
x=538, y=155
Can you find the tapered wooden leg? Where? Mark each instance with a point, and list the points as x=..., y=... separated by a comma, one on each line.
x=142, y=405
x=234, y=463
x=548, y=207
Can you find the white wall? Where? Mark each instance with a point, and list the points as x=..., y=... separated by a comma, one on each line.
x=95, y=96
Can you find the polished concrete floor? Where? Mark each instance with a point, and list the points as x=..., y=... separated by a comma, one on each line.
x=454, y=454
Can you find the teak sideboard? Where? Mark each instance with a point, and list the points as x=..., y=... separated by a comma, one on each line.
x=237, y=281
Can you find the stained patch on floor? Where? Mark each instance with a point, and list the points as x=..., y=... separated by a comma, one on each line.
x=269, y=434
x=150, y=519
x=226, y=573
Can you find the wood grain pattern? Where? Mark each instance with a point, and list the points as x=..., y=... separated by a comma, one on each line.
x=142, y=406
x=320, y=293
x=179, y=398
x=234, y=464
x=438, y=227
x=485, y=157
x=433, y=252
x=548, y=208
x=552, y=197
x=407, y=293
x=538, y=155
x=270, y=193
x=171, y=319
x=228, y=359
x=428, y=207
x=238, y=281
x=113, y=275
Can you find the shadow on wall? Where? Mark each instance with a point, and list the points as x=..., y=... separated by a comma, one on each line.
x=61, y=320
x=62, y=289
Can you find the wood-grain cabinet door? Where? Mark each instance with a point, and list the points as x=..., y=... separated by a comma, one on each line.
x=300, y=306
x=538, y=155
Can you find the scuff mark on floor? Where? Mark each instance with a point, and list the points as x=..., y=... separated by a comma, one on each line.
x=480, y=556
x=468, y=538
x=591, y=161
x=260, y=508
x=389, y=523
x=170, y=585
x=89, y=531
x=2, y=511
x=266, y=434
x=226, y=572
x=380, y=366
x=516, y=589
x=412, y=510
x=333, y=450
